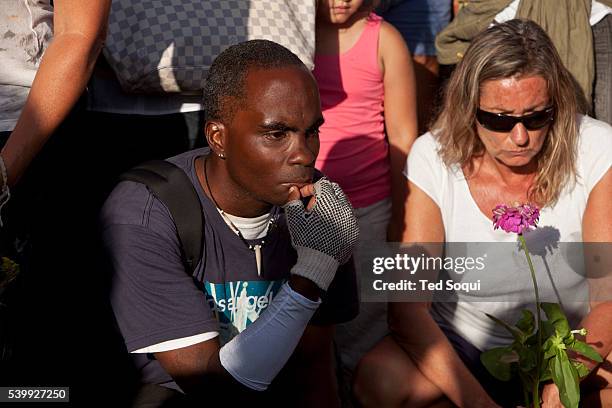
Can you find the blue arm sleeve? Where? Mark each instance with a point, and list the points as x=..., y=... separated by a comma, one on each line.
x=256, y=356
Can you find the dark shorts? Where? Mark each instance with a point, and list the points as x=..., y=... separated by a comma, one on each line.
x=505, y=393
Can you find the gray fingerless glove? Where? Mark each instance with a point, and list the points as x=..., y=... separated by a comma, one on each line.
x=323, y=237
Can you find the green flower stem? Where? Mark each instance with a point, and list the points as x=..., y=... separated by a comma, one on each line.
x=536, y=382
x=525, y=394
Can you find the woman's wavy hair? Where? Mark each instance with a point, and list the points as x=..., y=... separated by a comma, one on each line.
x=513, y=49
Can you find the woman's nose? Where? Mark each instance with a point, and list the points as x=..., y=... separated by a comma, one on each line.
x=519, y=135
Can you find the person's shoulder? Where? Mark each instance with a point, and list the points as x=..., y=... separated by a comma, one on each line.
x=127, y=204
x=388, y=29
x=589, y=125
x=594, y=151
x=595, y=136
x=132, y=210
x=423, y=159
x=393, y=54
x=185, y=160
x=390, y=38
x=132, y=203
x=426, y=145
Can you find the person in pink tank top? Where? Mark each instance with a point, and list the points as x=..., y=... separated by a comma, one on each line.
x=366, y=81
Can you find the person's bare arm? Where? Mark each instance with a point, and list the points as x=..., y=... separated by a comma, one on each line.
x=400, y=116
x=79, y=33
x=414, y=329
x=597, y=235
x=196, y=367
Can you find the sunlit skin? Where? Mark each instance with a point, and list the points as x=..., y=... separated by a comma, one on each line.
x=516, y=96
x=338, y=11
x=269, y=145
x=505, y=171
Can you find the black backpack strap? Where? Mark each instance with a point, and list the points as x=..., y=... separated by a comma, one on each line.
x=172, y=187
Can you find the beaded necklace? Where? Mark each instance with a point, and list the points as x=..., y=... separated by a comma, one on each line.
x=253, y=247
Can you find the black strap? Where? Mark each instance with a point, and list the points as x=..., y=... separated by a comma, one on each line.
x=172, y=187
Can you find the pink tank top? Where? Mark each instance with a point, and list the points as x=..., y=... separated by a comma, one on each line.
x=354, y=151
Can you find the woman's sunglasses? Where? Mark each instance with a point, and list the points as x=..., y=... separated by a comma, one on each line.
x=498, y=122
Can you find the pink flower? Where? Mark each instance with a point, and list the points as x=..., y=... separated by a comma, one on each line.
x=515, y=219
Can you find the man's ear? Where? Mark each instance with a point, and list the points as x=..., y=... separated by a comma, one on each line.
x=215, y=136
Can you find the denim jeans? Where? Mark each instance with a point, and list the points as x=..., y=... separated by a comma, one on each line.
x=419, y=21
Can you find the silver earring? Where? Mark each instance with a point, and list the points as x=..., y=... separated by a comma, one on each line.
x=221, y=155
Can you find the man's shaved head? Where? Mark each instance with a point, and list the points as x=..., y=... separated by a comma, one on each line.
x=225, y=84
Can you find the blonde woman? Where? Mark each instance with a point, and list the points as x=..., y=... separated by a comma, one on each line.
x=512, y=129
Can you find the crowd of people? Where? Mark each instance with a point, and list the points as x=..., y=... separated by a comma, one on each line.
x=402, y=125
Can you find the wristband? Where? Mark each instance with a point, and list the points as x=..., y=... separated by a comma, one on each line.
x=315, y=266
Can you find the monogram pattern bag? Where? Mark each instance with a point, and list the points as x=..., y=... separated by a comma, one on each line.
x=157, y=46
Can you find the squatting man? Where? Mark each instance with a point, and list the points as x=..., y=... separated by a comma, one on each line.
x=260, y=242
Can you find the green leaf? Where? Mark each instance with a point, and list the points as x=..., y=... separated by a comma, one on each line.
x=516, y=333
x=8, y=271
x=557, y=318
x=549, y=348
x=495, y=361
x=545, y=376
x=527, y=359
x=526, y=323
x=586, y=350
x=547, y=329
x=581, y=369
x=558, y=342
x=552, y=345
x=565, y=376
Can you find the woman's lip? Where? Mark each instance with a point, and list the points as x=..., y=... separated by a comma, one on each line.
x=517, y=153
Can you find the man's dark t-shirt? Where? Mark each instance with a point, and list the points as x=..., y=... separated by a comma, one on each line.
x=155, y=300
